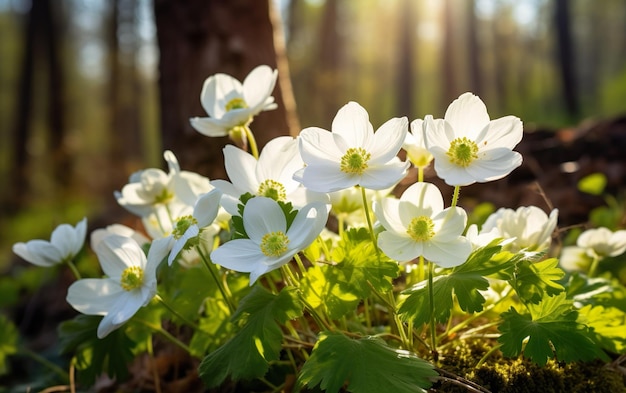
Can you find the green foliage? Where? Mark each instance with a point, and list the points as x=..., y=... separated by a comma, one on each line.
x=533, y=281
x=94, y=356
x=593, y=184
x=464, y=281
x=339, y=288
x=8, y=342
x=551, y=330
x=364, y=365
x=247, y=355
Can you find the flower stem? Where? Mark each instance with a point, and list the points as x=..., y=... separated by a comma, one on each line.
x=431, y=303
x=593, y=268
x=366, y=209
x=166, y=334
x=420, y=174
x=223, y=290
x=176, y=313
x=74, y=269
x=455, y=196
x=251, y=141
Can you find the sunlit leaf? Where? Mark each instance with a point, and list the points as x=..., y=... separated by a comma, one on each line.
x=607, y=326
x=533, y=280
x=363, y=366
x=248, y=353
x=593, y=184
x=8, y=342
x=549, y=330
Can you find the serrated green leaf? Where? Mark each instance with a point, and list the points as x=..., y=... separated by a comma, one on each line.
x=340, y=287
x=94, y=356
x=8, y=342
x=550, y=330
x=363, y=366
x=533, y=280
x=248, y=353
x=607, y=326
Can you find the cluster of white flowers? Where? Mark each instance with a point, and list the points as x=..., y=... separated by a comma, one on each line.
x=319, y=172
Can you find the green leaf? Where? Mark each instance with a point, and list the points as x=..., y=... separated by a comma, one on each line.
x=94, y=356
x=8, y=342
x=533, y=280
x=248, y=353
x=607, y=326
x=593, y=184
x=339, y=288
x=551, y=330
x=465, y=281
x=364, y=365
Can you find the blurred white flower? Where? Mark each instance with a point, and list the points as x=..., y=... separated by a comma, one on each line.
x=468, y=147
x=575, y=259
x=602, y=242
x=130, y=283
x=270, y=243
x=65, y=243
x=117, y=229
x=231, y=104
x=418, y=225
x=151, y=189
x=270, y=176
x=415, y=145
x=529, y=226
x=352, y=154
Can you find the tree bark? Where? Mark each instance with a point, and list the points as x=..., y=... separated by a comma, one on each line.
x=406, y=68
x=566, y=58
x=198, y=38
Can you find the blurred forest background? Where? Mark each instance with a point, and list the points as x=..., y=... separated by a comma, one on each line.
x=92, y=90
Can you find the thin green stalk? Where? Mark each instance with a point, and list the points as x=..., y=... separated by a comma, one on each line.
x=482, y=360
x=370, y=226
x=251, y=141
x=455, y=196
x=420, y=174
x=74, y=269
x=225, y=294
x=165, y=333
x=176, y=313
x=593, y=268
x=431, y=302
x=300, y=264
x=46, y=363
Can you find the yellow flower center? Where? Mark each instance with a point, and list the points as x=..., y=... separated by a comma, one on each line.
x=132, y=278
x=421, y=229
x=182, y=224
x=355, y=161
x=272, y=189
x=462, y=151
x=235, y=103
x=164, y=196
x=274, y=244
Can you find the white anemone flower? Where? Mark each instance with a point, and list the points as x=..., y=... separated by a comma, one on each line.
x=270, y=244
x=270, y=176
x=529, y=226
x=130, y=283
x=468, y=147
x=231, y=104
x=117, y=229
x=415, y=145
x=151, y=189
x=352, y=154
x=418, y=225
x=602, y=242
x=65, y=243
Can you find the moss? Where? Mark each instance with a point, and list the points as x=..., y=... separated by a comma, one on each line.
x=503, y=375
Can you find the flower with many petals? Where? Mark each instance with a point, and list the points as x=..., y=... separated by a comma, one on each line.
x=468, y=147
x=418, y=225
x=270, y=243
x=602, y=242
x=352, y=154
x=231, y=104
x=65, y=242
x=270, y=176
x=150, y=189
x=130, y=283
x=529, y=227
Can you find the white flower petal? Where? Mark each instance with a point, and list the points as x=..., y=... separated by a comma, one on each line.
x=240, y=167
x=388, y=140
x=261, y=216
x=325, y=178
x=93, y=296
x=116, y=253
x=384, y=176
x=308, y=224
x=467, y=115
x=209, y=126
x=448, y=254
x=449, y=224
x=127, y=304
x=279, y=160
x=425, y=195
x=387, y=210
x=241, y=255
x=352, y=124
x=489, y=169
x=504, y=132
x=206, y=208
x=317, y=145
x=38, y=252
x=179, y=243
x=258, y=86
x=400, y=248
x=217, y=90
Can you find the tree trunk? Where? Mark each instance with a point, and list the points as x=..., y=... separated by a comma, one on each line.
x=406, y=69
x=198, y=38
x=476, y=84
x=566, y=58
x=449, y=60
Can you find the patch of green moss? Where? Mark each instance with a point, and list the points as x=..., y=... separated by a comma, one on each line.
x=504, y=375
